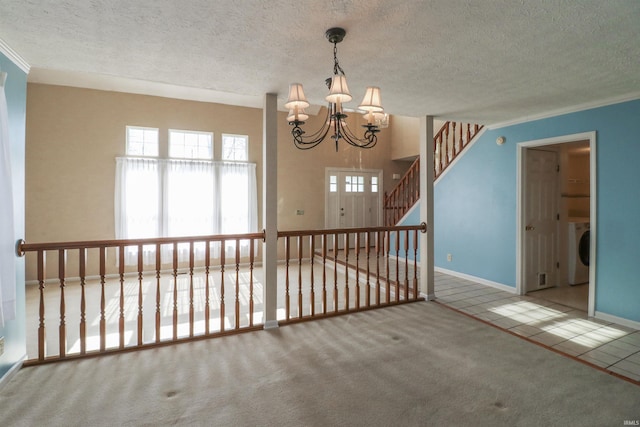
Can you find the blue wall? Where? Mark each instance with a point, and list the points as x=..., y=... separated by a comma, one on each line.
x=16, y=93
x=475, y=204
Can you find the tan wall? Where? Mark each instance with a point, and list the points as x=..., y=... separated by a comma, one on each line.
x=405, y=134
x=74, y=135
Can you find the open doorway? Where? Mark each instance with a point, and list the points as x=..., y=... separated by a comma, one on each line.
x=556, y=220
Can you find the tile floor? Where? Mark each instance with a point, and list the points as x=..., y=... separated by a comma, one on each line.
x=604, y=344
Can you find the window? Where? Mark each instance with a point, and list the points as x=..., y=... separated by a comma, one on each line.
x=374, y=184
x=354, y=184
x=333, y=183
x=184, y=195
x=142, y=141
x=190, y=145
x=235, y=147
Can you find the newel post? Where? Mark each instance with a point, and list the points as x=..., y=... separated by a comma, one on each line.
x=427, y=286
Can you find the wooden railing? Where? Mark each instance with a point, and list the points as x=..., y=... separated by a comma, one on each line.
x=329, y=272
x=405, y=194
x=127, y=294
x=448, y=143
x=101, y=297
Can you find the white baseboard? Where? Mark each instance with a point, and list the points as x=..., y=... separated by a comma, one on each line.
x=617, y=320
x=428, y=297
x=12, y=372
x=271, y=324
x=480, y=280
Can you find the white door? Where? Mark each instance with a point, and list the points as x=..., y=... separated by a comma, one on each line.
x=353, y=199
x=541, y=220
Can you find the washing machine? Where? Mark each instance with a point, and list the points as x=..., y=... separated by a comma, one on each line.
x=579, y=250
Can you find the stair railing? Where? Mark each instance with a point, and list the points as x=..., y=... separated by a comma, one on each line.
x=448, y=143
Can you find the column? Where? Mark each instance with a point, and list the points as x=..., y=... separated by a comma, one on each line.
x=427, y=285
x=270, y=209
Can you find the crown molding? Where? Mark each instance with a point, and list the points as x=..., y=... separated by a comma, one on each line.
x=6, y=50
x=574, y=109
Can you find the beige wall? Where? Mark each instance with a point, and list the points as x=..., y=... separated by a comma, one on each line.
x=405, y=135
x=74, y=135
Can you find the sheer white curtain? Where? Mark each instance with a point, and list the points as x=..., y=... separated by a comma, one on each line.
x=189, y=203
x=175, y=198
x=238, y=201
x=7, y=233
x=138, y=204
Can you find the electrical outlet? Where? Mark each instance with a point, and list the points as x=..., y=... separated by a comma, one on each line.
x=449, y=257
x=1, y=346
x=299, y=211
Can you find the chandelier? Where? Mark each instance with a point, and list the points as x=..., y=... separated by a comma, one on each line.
x=335, y=122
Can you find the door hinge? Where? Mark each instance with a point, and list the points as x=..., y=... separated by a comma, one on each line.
x=557, y=168
x=558, y=217
x=557, y=265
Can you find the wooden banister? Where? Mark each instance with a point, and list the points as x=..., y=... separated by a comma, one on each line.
x=448, y=143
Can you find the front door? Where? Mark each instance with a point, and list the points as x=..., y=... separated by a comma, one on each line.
x=353, y=199
x=541, y=220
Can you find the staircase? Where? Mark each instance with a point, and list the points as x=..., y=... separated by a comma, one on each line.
x=448, y=143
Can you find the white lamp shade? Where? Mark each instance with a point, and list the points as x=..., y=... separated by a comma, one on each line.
x=372, y=100
x=339, y=90
x=301, y=115
x=296, y=97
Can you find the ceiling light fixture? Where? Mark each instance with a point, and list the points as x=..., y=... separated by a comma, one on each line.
x=336, y=118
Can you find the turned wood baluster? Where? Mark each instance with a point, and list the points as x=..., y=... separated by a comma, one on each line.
x=357, y=268
x=368, y=283
x=42, y=343
x=222, y=262
x=121, y=317
x=461, y=141
x=158, y=294
x=287, y=296
x=82, y=252
x=312, y=295
x=62, y=332
x=299, y=276
x=454, y=151
x=406, y=265
x=237, y=316
x=207, y=266
x=191, y=309
x=415, y=264
x=140, y=296
x=251, y=261
x=468, y=133
x=324, y=273
x=386, y=251
x=175, y=290
x=103, y=321
x=379, y=241
x=335, y=272
x=346, y=271
x=397, y=244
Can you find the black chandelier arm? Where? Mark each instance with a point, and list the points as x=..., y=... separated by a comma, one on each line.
x=368, y=141
x=310, y=141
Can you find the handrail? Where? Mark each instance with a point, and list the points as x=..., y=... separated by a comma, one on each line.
x=22, y=247
x=422, y=227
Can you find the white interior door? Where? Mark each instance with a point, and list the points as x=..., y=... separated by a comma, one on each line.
x=541, y=220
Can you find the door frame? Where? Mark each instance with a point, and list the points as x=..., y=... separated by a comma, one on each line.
x=335, y=170
x=520, y=211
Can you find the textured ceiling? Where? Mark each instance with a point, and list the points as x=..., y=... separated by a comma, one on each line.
x=489, y=61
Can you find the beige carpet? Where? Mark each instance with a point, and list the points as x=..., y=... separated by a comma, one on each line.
x=416, y=364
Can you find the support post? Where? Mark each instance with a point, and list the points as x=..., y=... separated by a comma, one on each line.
x=427, y=284
x=270, y=209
